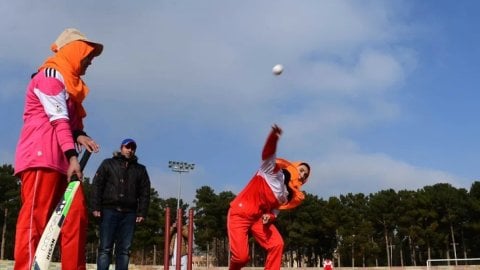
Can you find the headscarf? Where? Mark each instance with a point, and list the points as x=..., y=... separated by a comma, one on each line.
x=294, y=184
x=67, y=62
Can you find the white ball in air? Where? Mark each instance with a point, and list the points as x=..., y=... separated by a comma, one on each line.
x=277, y=69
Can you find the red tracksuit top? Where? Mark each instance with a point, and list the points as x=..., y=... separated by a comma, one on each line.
x=266, y=190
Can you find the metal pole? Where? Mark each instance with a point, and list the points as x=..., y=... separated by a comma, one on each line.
x=454, y=244
x=190, y=239
x=166, y=252
x=178, y=255
x=179, y=189
x=4, y=232
x=353, y=251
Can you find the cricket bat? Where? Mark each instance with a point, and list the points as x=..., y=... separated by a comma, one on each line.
x=46, y=246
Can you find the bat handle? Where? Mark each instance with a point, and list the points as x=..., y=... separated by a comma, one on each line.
x=85, y=157
x=83, y=163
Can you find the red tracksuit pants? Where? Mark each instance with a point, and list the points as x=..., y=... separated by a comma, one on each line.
x=266, y=235
x=41, y=190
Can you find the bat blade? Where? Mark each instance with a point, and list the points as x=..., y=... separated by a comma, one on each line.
x=48, y=240
x=46, y=246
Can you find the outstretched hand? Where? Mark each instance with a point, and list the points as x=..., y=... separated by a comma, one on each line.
x=88, y=143
x=277, y=129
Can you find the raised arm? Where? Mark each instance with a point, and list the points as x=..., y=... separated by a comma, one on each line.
x=271, y=144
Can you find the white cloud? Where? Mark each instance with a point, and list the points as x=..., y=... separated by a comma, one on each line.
x=369, y=173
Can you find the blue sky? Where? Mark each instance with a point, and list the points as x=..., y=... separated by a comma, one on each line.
x=375, y=94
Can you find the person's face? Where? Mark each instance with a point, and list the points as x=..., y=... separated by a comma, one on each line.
x=303, y=173
x=128, y=150
x=87, y=61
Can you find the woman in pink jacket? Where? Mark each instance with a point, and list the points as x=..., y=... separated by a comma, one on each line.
x=46, y=154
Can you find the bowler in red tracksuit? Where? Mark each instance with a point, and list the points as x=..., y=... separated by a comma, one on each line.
x=252, y=210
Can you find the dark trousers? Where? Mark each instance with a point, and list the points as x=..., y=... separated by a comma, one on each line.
x=117, y=228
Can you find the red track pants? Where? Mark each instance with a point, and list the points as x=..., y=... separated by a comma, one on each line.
x=266, y=235
x=41, y=190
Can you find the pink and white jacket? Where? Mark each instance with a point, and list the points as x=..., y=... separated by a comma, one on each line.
x=48, y=123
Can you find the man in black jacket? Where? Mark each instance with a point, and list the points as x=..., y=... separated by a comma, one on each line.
x=120, y=198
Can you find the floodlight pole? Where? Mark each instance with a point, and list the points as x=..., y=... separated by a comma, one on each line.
x=180, y=167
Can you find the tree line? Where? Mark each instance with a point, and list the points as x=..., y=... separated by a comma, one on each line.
x=386, y=228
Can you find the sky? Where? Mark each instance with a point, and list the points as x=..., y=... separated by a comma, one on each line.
x=375, y=95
